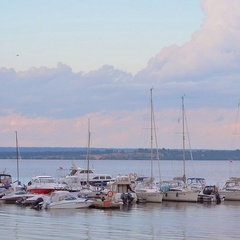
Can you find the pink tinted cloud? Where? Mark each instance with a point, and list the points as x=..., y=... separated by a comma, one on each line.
x=207, y=128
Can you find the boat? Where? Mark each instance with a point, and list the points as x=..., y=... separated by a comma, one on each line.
x=5, y=184
x=66, y=200
x=197, y=183
x=121, y=190
x=210, y=194
x=231, y=189
x=107, y=201
x=84, y=177
x=15, y=196
x=11, y=191
x=44, y=185
x=147, y=190
x=178, y=189
x=35, y=200
x=79, y=178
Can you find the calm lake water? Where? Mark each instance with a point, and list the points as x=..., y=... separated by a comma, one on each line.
x=141, y=221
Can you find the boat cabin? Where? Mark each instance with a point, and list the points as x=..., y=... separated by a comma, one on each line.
x=43, y=180
x=5, y=178
x=121, y=184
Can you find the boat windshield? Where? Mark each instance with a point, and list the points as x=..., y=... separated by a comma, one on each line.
x=47, y=180
x=5, y=178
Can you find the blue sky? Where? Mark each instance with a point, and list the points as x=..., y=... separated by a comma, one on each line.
x=64, y=62
x=88, y=34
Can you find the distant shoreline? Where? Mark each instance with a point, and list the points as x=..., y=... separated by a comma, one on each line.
x=116, y=154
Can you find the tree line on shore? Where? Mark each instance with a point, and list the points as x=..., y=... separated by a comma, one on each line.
x=117, y=154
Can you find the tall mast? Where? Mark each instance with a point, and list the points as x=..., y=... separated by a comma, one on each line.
x=151, y=134
x=88, y=152
x=183, y=136
x=17, y=151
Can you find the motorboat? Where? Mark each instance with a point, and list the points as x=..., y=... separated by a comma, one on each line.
x=73, y=184
x=176, y=190
x=44, y=185
x=14, y=196
x=32, y=200
x=84, y=177
x=6, y=186
x=65, y=199
x=10, y=192
x=197, y=183
x=231, y=189
x=122, y=190
x=107, y=202
x=210, y=194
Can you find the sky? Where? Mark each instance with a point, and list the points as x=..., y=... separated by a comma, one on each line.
x=65, y=63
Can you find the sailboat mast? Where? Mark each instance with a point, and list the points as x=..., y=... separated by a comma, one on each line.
x=88, y=151
x=183, y=136
x=151, y=134
x=17, y=151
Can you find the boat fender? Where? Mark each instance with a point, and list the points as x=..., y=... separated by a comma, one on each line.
x=110, y=194
x=177, y=194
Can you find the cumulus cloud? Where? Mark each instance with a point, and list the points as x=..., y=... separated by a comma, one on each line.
x=206, y=69
x=58, y=92
x=209, y=61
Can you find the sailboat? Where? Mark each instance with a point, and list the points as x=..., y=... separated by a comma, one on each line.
x=17, y=190
x=85, y=178
x=177, y=189
x=147, y=190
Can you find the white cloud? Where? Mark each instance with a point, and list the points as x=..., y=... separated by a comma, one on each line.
x=206, y=69
x=212, y=51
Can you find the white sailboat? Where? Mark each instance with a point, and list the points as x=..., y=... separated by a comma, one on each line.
x=16, y=191
x=147, y=190
x=177, y=189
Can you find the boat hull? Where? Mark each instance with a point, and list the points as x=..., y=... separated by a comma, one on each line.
x=231, y=195
x=154, y=197
x=70, y=204
x=13, y=198
x=40, y=190
x=106, y=204
x=180, y=196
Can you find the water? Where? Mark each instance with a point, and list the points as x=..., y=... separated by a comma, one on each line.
x=165, y=220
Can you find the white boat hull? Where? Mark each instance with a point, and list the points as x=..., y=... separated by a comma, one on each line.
x=73, y=204
x=181, y=196
x=155, y=197
x=230, y=195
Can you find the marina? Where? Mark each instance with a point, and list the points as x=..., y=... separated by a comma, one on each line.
x=140, y=170
x=167, y=220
